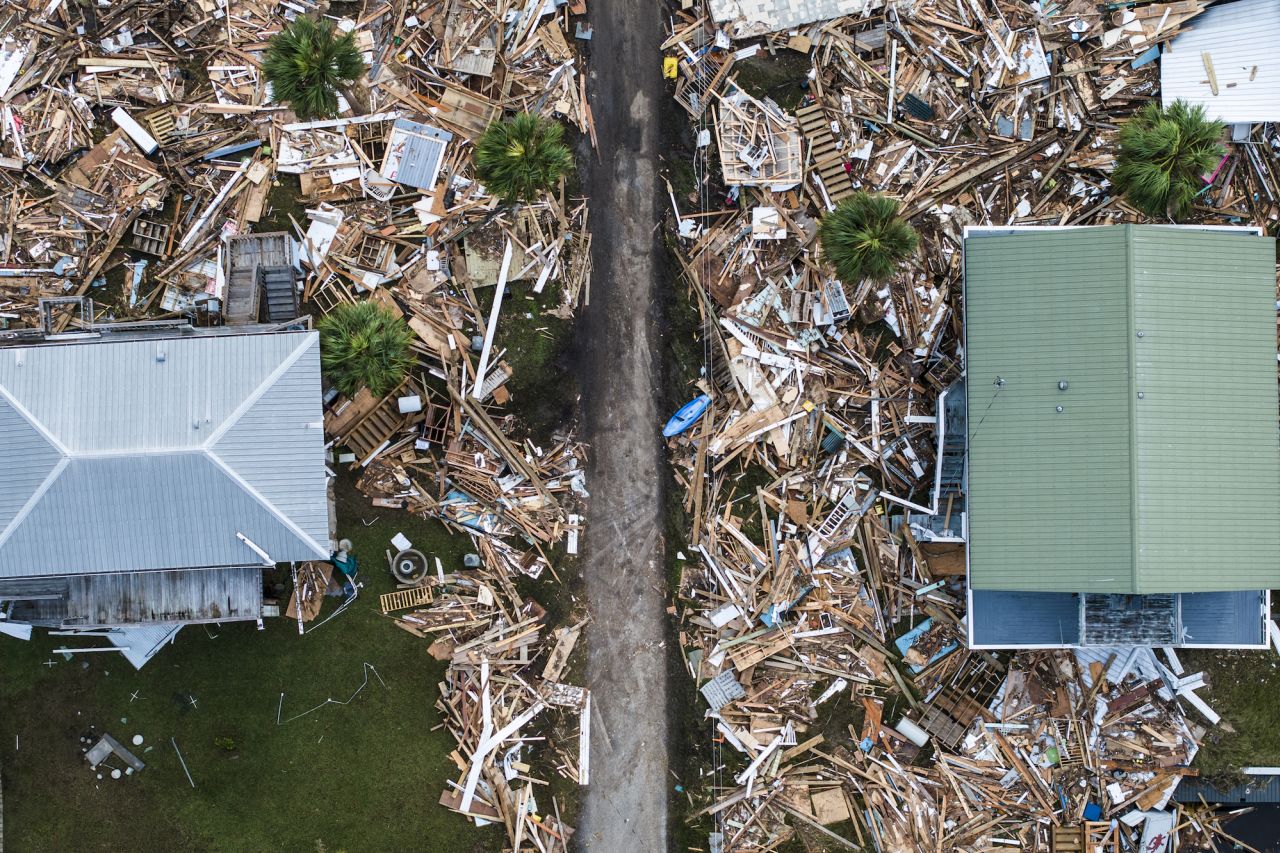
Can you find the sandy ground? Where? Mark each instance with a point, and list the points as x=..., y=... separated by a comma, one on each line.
x=626, y=802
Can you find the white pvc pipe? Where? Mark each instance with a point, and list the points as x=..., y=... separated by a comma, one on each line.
x=912, y=732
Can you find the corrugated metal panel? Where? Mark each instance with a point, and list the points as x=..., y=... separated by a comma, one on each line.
x=115, y=396
x=763, y=16
x=1205, y=425
x=414, y=154
x=1139, y=662
x=1118, y=493
x=142, y=643
x=139, y=491
x=28, y=460
x=1240, y=38
x=1048, y=495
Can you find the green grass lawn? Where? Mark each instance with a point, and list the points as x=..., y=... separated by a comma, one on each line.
x=360, y=777
x=1243, y=687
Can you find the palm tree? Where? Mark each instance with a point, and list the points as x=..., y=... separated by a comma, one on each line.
x=364, y=345
x=521, y=156
x=1163, y=153
x=865, y=238
x=307, y=65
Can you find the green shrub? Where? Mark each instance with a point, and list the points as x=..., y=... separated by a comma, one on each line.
x=865, y=238
x=1163, y=153
x=364, y=345
x=308, y=65
x=519, y=157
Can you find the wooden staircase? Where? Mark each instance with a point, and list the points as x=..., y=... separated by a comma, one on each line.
x=824, y=158
x=373, y=431
x=278, y=292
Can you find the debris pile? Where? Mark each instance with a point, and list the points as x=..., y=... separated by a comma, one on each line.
x=824, y=560
x=502, y=676
x=137, y=143
x=450, y=460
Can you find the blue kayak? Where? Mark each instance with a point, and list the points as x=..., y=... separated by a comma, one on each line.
x=687, y=416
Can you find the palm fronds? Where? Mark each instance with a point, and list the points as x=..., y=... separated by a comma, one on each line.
x=1163, y=153
x=865, y=238
x=363, y=345
x=307, y=65
x=520, y=157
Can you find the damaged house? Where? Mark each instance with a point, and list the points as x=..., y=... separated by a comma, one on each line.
x=150, y=476
x=1123, y=469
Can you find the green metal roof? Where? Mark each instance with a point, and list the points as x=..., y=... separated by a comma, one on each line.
x=1162, y=472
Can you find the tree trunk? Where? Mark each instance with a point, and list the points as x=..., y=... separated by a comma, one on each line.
x=357, y=95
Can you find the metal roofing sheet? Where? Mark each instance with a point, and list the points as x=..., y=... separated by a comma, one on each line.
x=1239, y=39
x=235, y=446
x=143, y=395
x=140, y=643
x=30, y=456
x=415, y=152
x=1048, y=490
x=1204, y=411
x=1120, y=493
x=763, y=16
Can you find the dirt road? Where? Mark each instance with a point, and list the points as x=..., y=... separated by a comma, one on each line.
x=626, y=803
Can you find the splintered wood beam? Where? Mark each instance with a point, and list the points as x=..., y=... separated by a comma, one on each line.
x=1208, y=67
x=584, y=742
x=476, y=390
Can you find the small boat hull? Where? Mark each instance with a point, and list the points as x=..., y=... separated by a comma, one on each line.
x=687, y=416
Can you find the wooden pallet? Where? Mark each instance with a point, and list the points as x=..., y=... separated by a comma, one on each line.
x=162, y=126
x=403, y=599
x=824, y=157
x=150, y=237
x=1067, y=839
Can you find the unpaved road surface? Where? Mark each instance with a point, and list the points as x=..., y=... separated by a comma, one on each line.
x=625, y=810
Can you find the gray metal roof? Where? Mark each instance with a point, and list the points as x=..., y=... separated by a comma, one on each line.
x=1240, y=39
x=756, y=17
x=414, y=154
x=153, y=454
